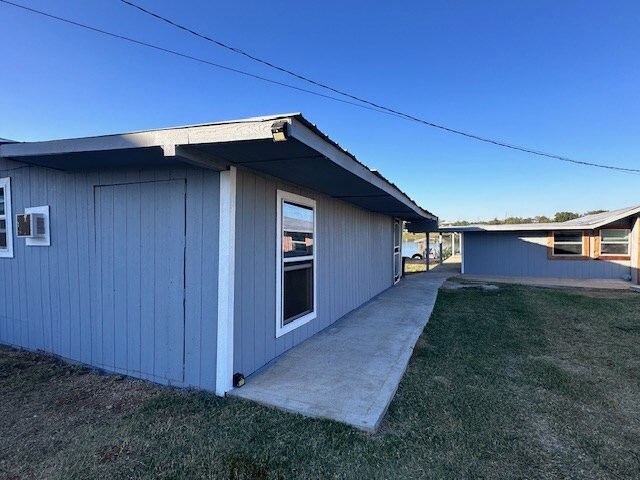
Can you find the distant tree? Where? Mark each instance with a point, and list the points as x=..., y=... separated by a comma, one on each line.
x=593, y=212
x=564, y=216
x=559, y=217
x=516, y=220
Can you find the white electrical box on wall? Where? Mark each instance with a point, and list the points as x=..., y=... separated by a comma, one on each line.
x=33, y=226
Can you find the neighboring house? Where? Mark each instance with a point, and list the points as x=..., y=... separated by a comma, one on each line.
x=185, y=255
x=600, y=246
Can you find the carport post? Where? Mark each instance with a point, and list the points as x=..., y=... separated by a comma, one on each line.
x=440, y=246
x=426, y=252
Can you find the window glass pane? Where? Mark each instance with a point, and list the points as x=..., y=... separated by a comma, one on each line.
x=3, y=233
x=614, y=235
x=567, y=237
x=614, y=248
x=567, y=249
x=298, y=290
x=297, y=226
x=1, y=201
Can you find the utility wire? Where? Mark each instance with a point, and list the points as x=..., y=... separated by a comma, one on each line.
x=365, y=103
x=377, y=106
x=191, y=57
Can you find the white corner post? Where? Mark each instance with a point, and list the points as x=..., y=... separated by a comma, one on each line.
x=462, y=253
x=226, y=277
x=635, y=251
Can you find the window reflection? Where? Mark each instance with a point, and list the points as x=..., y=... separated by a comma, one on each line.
x=297, y=226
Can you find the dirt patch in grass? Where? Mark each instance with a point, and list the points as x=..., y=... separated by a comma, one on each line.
x=49, y=409
x=522, y=382
x=456, y=285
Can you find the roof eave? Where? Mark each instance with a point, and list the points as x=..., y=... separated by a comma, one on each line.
x=257, y=128
x=308, y=134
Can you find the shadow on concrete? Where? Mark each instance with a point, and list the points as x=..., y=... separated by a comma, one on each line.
x=350, y=371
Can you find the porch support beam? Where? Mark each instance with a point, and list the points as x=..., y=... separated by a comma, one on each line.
x=226, y=281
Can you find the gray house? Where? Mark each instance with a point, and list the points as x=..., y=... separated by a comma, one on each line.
x=600, y=246
x=185, y=255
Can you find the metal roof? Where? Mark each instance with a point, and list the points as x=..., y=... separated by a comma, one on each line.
x=588, y=222
x=307, y=158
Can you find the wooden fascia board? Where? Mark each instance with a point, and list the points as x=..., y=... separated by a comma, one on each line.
x=615, y=218
x=303, y=134
x=231, y=132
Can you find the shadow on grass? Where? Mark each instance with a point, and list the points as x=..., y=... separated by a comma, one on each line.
x=518, y=382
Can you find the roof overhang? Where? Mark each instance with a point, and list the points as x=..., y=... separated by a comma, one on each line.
x=305, y=157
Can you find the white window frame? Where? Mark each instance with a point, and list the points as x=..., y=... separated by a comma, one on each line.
x=7, y=252
x=283, y=196
x=627, y=243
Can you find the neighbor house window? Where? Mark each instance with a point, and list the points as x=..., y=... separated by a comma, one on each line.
x=614, y=242
x=568, y=244
x=296, y=262
x=6, y=236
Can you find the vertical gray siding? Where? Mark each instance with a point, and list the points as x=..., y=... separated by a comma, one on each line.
x=129, y=283
x=525, y=254
x=354, y=263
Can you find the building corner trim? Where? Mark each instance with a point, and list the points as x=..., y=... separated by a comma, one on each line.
x=226, y=279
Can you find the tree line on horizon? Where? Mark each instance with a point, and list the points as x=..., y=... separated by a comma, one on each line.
x=559, y=217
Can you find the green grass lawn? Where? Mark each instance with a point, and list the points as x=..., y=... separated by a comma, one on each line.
x=518, y=382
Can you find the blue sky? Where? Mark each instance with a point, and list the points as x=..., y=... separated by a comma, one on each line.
x=559, y=77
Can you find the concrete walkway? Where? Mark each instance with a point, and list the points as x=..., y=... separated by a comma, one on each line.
x=350, y=371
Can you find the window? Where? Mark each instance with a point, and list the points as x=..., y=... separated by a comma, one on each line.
x=614, y=242
x=296, y=262
x=568, y=244
x=6, y=235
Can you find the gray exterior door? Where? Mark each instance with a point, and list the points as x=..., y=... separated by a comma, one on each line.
x=138, y=317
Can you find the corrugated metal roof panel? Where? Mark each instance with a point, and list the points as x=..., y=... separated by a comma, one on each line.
x=588, y=222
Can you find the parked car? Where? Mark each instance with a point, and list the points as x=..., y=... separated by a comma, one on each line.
x=416, y=250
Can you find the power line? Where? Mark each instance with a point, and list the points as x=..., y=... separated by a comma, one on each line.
x=364, y=103
x=377, y=106
x=191, y=57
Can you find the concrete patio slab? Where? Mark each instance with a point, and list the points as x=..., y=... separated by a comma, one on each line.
x=552, y=282
x=350, y=371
